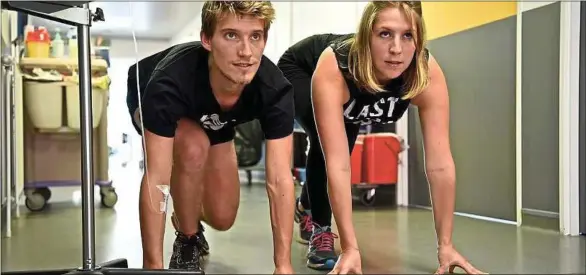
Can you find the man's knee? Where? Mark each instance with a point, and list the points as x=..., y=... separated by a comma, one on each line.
x=191, y=146
x=220, y=220
x=222, y=189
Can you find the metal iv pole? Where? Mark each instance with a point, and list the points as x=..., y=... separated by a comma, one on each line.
x=7, y=140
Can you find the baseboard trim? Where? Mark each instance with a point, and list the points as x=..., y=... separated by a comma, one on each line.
x=540, y=213
x=473, y=216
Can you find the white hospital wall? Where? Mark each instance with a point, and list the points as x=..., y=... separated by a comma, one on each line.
x=295, y=21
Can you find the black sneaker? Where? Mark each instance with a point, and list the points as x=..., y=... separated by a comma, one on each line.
x=186, y=253
x=204, y=247
x=305, y=224
x=321, y=254
x=203, y=243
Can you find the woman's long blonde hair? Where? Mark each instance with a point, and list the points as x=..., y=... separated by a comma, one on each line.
x=360, y=62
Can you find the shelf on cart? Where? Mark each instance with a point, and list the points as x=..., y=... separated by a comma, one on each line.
x=57, y=83
x=61, y=130
x=98, y=65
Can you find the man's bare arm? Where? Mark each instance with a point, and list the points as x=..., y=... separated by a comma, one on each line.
x=280, y=189
x=152, y=204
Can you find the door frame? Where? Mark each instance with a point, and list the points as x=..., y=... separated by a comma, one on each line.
x=569, y=195
x=519, y=115
x=582, y=118
x=402, y=192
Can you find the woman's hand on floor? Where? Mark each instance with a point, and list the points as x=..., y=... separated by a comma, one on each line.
x=349, y=262
x=288, y=269
x=449, y=259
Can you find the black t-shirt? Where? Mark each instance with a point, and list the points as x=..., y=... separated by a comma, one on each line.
x=305, y=53
x=363, y=107
x=146, y=66
x=179, y=87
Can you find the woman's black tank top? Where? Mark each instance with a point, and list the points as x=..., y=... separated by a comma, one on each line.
x=363, y=107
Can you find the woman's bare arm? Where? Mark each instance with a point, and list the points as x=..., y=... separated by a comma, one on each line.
x=328, y=96
x=434, y=113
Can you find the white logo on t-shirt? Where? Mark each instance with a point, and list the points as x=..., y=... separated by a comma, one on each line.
x=372, y=113
x=212, y=122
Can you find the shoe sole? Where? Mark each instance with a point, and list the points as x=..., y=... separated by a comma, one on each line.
x=327, y=265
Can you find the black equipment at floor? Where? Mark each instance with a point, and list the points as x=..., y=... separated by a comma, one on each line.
x=79, y=14
x=248, y=142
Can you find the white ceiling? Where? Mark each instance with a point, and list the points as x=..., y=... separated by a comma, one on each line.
x=150, y=20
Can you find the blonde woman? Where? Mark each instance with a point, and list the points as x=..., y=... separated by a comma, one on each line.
x=344, y=81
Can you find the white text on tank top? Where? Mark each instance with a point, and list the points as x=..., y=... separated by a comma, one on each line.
x=378, y=112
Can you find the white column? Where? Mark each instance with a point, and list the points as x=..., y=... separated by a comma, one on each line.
x=519, y=114
x=569, y=118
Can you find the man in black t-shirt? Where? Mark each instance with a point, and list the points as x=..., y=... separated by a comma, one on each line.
x=193, y=94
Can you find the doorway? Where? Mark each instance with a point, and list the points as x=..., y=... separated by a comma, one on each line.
x=582, y=117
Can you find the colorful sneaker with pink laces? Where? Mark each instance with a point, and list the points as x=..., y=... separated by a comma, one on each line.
x=305, y=224
x=321, y=254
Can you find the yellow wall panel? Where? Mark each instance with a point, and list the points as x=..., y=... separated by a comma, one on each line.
x=445, y=18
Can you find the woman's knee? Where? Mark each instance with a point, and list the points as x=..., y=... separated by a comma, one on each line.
x=191, y=146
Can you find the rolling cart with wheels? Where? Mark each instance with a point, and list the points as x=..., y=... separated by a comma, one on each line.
x=51, y=130
x=77, y=13
x=38, y=194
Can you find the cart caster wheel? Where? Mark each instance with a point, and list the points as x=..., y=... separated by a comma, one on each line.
x=45, y=192
x=109, y=198
x=35, y=202
x=367, y=199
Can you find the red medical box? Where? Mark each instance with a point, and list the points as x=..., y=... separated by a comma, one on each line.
x=380, y=158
